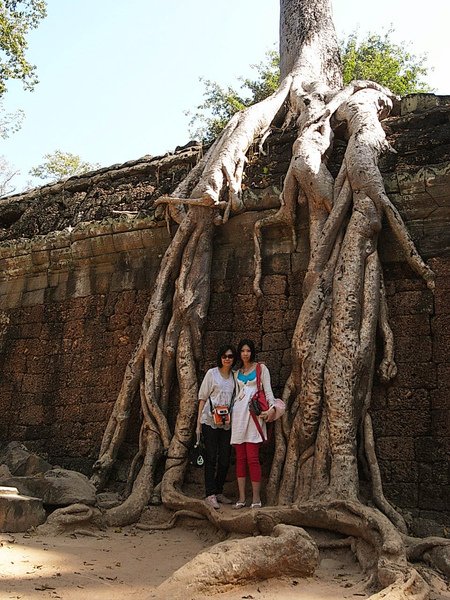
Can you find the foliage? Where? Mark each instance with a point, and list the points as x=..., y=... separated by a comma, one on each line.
x=17, y=18
x=375, y=57
x=378, y=58
x=9, y=121
x=220, y=104
x=61, y=165
x=7, y=173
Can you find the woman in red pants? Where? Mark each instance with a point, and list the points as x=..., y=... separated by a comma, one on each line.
x=246, y=437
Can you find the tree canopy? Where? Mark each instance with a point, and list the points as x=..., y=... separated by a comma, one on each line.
x=378, y=58
x=375, y=57
x=17, y=18
x=9, y=121
x=61, y=165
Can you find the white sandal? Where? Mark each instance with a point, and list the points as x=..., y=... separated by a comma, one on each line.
x=238, y=505
x=256, y=505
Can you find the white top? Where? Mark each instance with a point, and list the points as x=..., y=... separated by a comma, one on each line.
x=243, y=428
x=219, y=389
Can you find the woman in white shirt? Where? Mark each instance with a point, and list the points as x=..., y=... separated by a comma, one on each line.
x=217, y=390
x=245, y=435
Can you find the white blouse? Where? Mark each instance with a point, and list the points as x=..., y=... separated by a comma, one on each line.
x=219, y=389
x=243, y=428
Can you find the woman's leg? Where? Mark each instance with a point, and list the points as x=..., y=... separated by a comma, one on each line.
x=254, y=466
x=210, y=440
x=241, y=469
x=223, y=460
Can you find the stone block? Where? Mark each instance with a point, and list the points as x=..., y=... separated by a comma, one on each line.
x=38, y=282
x=273, y=320
x=442, y=301
x=32, y=298
x=221, y=302
x=246, y=321
x=40, y=257
x=129, y=240
x=412, y=302
x=221, y=321
x=404, y=471
x=102, y=244
x=431, y=497
x=81, y=249
x=274, y=284
x=275, y=341
x=408, y=423
x=407, y=325
x=440, y=422
x=404, y=495
x=443, y=377
x=275, y=303
x=408, y=348
x=395, y=448
x=276, y=264
x=19, y=513
x=244, y=303
x=439, y=398
x=408, y=400
x=419, y=205
x=61, y=258
x=441, y=266
x=429, y=450
x=411, y=183
x=437, y=181
x=416, y=375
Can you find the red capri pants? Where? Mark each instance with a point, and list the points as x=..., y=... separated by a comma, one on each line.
x=248, y=454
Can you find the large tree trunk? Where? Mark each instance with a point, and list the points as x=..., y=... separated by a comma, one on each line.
x=315, y=478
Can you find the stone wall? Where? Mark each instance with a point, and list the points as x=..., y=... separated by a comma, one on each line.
x=71, y=305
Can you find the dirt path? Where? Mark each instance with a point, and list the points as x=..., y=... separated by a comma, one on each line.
x=128, y=563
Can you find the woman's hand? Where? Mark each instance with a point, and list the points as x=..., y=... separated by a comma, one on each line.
x=198, y=429
x=265, y=413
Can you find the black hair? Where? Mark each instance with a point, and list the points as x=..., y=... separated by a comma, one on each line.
x=222, y=351
x=251, y=345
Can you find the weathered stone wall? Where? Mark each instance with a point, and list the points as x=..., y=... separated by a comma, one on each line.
x=71, y=304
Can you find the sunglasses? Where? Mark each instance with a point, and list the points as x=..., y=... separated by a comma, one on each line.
x=227, y=355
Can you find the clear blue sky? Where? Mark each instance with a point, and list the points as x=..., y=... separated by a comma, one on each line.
x=116, y=76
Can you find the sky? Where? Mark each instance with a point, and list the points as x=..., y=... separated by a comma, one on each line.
x=116, y=77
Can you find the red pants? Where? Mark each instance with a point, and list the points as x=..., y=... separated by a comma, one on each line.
x=248, y=454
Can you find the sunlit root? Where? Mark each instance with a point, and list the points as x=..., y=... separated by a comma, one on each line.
x=363, y=112
x=170, y=524
x=287, y=551
x=71, y=517
x=387, y=368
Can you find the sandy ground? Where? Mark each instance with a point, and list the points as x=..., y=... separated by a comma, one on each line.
x=129, y=563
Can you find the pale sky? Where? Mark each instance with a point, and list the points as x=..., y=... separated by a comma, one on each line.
x=115, y=76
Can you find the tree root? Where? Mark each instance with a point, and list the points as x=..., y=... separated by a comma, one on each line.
x=391, y=570
x=70, y=518
x=170, y=524
x=287, y=551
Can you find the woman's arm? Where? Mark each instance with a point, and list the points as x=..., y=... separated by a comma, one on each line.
x=267, y=387
x=203, y=395
x=201, y=405
x=266, y=384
